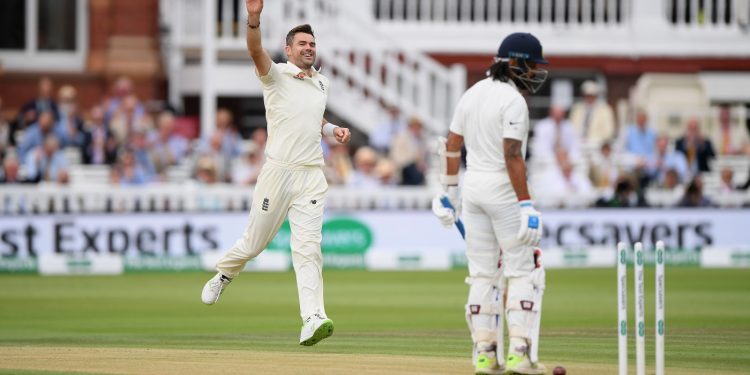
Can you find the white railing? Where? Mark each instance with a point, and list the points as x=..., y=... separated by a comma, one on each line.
x=519, y=11
x=708, y=14
x=194, y=197
x=629, y=28
x=188, y=197
x=697, y=13
x=367, y=67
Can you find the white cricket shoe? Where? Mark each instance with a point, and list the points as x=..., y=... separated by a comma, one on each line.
x=315, y=328
x=213, y=288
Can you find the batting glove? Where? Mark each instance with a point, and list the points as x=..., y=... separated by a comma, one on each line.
x=449, y=213
x=530, y=231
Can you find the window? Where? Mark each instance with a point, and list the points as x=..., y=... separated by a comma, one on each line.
x=12, y=24
x=47, y=35
x=56, y=22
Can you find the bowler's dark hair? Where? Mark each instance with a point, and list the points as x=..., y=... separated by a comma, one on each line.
x=306, y=28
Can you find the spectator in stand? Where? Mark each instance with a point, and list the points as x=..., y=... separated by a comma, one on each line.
x=5, y=132
x=230, y=139
x=47, y=163
x=592, y=118
x=338, y=163
x=99, y=147
x=206, y=170
x=639, y=139
x=665, y=160
x=560, y=182
x=726, y=184
x=21, y=124
x=409, y=152
x=245, y=171
x=213, y=150
x=36, y=133
x=44, y=102
x=10, y=173
x=385, y=169
x=604, y=170
x=671, y=180
x=697, y=149
x=259, y=137
x=694, y=195
x=127, y=172
x=552, y=134
x=126, y=118
x=139, y=147
x=167, y=147
x=382, y=136
x=729, y=138
x=206, y=173
x=363, y=176
x=70, y=126
x=625, y=196
x=121, y=89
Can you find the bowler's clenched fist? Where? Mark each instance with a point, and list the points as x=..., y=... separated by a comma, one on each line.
x=343, y=135
x=254, y=6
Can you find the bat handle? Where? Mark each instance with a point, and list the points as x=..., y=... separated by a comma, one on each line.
x=459, y=224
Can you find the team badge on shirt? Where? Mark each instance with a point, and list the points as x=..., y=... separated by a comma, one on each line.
x=300, y=76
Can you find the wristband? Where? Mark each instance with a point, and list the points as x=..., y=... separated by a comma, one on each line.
x=448, y=179
x=253, y=26
x=328, y=129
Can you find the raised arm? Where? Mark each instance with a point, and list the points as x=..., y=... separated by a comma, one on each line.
x=254, y=46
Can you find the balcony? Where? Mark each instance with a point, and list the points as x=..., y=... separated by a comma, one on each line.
x=630, y=28
x=378, y=51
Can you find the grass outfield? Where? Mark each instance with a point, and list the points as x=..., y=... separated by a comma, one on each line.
x=392, y=323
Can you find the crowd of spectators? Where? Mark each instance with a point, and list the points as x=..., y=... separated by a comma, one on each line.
x=588, y=154
x=50, y=134
x=576, y=154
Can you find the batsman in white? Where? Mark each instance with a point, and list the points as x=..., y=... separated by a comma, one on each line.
x=291, y=182
x=492, y=120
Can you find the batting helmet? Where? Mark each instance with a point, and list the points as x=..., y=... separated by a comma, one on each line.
x=522, y=46
x=527, y=51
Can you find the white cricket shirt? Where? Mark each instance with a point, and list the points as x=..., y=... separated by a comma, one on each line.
x=486, y=113
x=295, y=104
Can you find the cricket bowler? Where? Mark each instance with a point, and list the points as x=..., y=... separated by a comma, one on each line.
x=291, y=183
x=501, y=224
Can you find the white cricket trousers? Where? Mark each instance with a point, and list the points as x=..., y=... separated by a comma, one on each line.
x=492, y=219
x=281, y=191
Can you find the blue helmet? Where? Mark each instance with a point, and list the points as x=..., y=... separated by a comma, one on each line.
x=524, y=48
x=521, y=46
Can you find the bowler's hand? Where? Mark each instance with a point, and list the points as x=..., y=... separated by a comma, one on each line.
x=343, y=135
x=254, y=7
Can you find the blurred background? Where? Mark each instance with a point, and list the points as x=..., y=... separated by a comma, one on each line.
x=132, y=131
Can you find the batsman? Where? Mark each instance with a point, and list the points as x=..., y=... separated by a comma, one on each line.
x=502, y=226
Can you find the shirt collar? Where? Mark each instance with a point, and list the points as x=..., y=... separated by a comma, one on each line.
x=295, y=70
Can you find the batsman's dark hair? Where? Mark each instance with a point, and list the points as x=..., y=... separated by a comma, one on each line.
x=306, y=28
x=499, y=71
